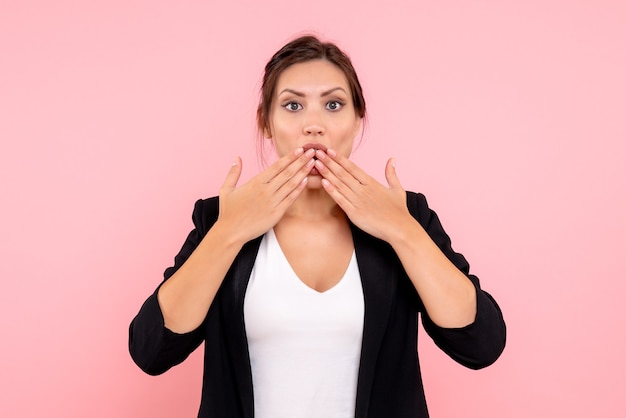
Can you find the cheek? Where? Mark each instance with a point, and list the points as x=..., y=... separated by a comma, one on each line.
x=347, y=138
x=283, y=138
x=278, y=122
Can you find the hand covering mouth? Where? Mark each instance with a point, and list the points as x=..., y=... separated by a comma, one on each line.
x=315, y=146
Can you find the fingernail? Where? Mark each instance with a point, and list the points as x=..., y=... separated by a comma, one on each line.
x=393, y=162
x=331, y=152
x=299, y=151
x=310, y=162
x=310, y=152
x=319, y=164
x=320, y=154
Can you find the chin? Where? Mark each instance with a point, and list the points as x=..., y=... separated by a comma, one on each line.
x=314, y=182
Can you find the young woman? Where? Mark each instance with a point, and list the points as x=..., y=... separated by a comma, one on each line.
x=305, y=283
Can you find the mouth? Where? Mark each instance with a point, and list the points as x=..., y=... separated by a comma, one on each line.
x=315, y=146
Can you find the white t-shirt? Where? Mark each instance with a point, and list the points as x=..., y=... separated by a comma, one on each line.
x=304, y=345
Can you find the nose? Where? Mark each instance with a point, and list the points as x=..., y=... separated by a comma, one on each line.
x=314, y=130
x=313, y=124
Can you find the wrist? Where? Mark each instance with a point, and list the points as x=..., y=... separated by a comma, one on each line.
x=406, y=231
x=227, y=235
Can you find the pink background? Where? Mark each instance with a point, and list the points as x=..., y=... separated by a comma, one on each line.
x=115, y=116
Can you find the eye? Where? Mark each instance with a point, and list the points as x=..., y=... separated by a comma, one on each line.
x=292, y=106
x=334, y=105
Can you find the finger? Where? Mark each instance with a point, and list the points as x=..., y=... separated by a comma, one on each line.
x=337, y=163
x=337, y=196
x=392, y=176
x=293, y=195
x=292, y=181
x=233, y=175
x=341, y=178
x=294, y=168
x=280, y=165
x=342, y=182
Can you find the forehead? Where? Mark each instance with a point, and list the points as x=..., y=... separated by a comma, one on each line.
x=312, y=76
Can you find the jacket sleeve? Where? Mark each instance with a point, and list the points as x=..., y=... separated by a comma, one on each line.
x=480, y=343
x=153, y=347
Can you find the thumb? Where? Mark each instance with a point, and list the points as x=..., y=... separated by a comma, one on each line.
x=391, y=175
x=233, y=175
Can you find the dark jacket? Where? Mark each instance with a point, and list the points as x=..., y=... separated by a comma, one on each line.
x=389, y=381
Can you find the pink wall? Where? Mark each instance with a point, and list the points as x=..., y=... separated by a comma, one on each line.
x=116, y=115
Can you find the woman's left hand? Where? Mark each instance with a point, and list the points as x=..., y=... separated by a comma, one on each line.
x=376, y=209
x=448, y=295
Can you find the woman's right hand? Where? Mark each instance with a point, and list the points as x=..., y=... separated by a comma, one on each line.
x=245, y=213
x=252, y=209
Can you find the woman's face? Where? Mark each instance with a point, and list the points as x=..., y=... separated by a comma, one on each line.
x=312, y=105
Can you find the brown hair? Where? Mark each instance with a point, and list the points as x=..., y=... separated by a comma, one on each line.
x=302, y=49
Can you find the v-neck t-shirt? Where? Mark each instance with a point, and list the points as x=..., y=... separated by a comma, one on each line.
x=304, y=345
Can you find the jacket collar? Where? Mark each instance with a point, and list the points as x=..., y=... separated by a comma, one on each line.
x=234, y=289
x=379, y=280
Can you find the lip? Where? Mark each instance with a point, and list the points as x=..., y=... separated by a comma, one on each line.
x=316, y=146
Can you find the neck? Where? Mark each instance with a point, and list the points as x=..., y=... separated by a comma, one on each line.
x=314, y=204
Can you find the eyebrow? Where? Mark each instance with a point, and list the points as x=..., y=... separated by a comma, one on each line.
x=324, y=94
